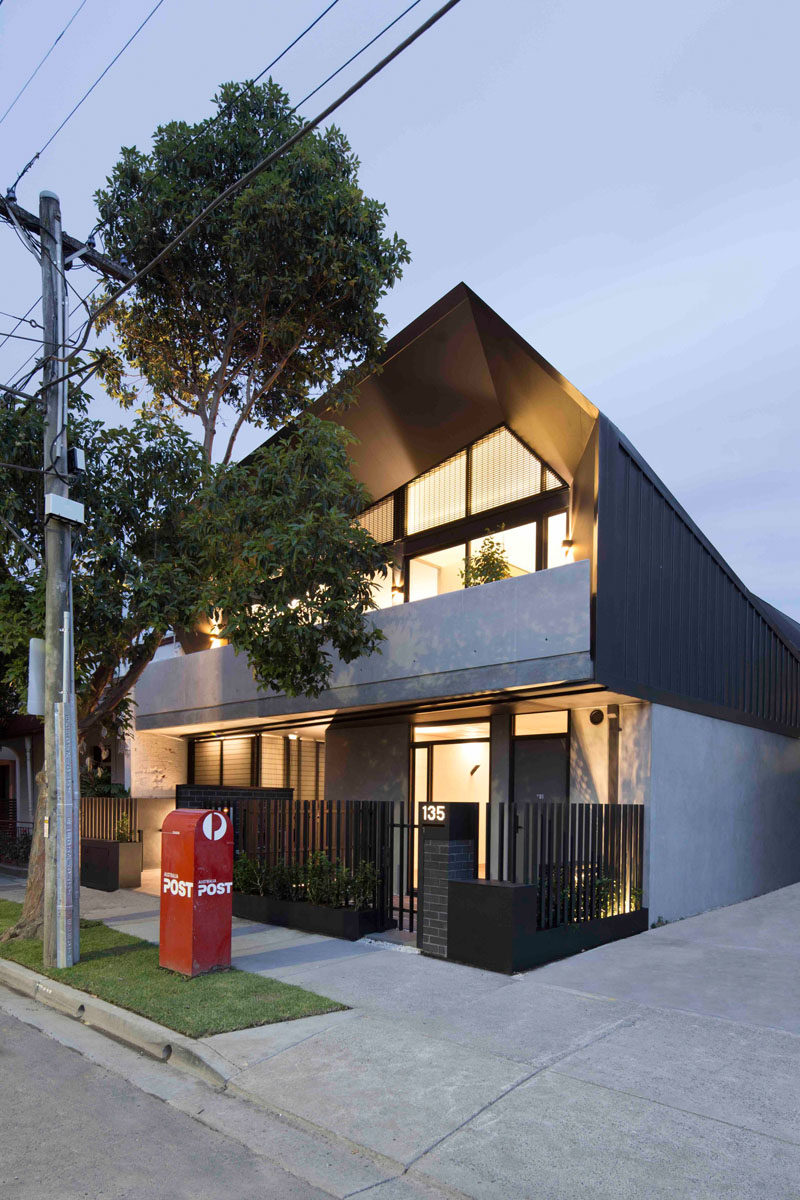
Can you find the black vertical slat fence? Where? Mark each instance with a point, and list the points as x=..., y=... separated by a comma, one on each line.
x=584, y=859
x=277, y=827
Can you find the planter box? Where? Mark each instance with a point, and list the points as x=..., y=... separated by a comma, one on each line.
x=345, y=923
x=493, y=925
x=108, y=866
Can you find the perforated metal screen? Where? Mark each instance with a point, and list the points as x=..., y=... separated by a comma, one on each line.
x=378, y=520
x=438, y=496
x=503, y=470
x=495, y=470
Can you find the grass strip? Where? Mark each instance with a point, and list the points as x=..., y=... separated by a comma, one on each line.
x=124, y=970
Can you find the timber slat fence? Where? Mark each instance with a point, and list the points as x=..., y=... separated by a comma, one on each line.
x=585, y=859
x=100, y=816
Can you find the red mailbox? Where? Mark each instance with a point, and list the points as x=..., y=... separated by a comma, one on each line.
x=196, y=886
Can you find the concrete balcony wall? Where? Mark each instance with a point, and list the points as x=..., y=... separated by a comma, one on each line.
x=521, y=632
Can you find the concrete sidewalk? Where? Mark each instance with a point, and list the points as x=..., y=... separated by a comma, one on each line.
x=667, y=1065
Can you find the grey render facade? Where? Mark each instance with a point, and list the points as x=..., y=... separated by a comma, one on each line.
x=623, y=663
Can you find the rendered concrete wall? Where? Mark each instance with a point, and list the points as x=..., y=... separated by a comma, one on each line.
x=151, y=815
x=367, y=762
x=524, y=631
x=588, y=758
x=634, y=753
x=157, y=765
x=724, y=813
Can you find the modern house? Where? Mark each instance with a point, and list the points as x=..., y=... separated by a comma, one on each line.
x=622, y=667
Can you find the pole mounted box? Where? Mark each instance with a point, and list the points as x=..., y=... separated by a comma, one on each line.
x=196, y=887
x=70, y=511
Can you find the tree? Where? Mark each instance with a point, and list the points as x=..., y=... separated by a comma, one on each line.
x=488, y=565
x=273, y=300
x=170, y=538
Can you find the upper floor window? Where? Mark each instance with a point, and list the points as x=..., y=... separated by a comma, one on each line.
x=496, y=470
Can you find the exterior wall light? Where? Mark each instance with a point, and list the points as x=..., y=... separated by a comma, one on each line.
x=567, y=546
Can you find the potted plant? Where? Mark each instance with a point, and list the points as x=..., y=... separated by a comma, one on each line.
x=108, y=865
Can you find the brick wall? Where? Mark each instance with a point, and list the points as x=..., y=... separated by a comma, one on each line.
x=441, y=861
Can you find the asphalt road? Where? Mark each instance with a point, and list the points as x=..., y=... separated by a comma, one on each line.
x=71, y=1129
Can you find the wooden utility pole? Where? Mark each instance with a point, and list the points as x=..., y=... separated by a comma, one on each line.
x=61, y=838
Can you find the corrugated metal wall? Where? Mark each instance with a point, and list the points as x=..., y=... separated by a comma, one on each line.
x=672, y=620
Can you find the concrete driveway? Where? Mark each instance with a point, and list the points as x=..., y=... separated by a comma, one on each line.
x=664, y=1066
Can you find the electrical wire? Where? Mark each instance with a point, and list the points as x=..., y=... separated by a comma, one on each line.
x=357, y=54
x=221, y=113
x=86, y=94
x=228, y=108
x=41, y=62
x=264, y=165
x=24, y=364
x=19, y=337
x=22, y=320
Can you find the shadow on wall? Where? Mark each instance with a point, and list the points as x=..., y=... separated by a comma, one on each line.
x=588, y=758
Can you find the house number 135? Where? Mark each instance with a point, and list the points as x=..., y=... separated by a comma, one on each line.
x=433, y=813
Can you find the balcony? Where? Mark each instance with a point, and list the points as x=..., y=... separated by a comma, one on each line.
x=522, y=632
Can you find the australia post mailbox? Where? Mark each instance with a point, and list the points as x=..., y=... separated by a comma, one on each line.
x=196, y=886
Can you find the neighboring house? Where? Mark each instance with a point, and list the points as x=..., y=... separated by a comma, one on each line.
x=21, y=753
x=623, y=664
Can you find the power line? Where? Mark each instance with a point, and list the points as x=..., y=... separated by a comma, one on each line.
x=357, y=54
x=264, y=164
x=41, y=62
x=246, y=87
x=18, y=373
x=18, y=337
x=86, y=94
x=20, y=320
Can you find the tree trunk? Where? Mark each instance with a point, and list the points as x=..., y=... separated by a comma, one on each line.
x=31, y=920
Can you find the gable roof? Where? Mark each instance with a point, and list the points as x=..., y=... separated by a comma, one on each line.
x=451, y=376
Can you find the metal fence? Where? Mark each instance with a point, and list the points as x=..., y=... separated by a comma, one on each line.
x=585, y=859
x=277, y=827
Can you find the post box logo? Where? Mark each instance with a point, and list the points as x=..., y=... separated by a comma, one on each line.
x=214, y=826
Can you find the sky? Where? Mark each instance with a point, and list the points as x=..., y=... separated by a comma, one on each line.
x=618, y=180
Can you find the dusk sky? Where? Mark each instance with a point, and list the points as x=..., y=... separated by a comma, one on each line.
x=618, y=180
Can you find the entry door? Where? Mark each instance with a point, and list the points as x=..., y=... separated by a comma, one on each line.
x=453, y=773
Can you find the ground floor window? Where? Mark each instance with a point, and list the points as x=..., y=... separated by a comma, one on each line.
x=272, y=760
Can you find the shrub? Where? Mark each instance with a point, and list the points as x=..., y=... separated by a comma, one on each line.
x=365, y=885
x=319, y=881
x=16, y=849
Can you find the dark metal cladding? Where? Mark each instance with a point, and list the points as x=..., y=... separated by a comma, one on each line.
x=673, y=622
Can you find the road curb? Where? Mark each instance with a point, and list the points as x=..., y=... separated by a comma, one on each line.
x=158, y=1042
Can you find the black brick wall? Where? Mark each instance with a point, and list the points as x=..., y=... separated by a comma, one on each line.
x=441, y=861
x=189, y=795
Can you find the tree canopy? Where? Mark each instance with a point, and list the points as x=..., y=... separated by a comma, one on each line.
x=170, y=540
x=274, y=299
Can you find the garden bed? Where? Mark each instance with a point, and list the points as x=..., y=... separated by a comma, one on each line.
x=348, y=923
